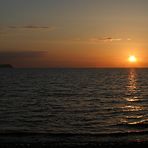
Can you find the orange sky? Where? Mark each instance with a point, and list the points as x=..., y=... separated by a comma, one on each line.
x=71, y=33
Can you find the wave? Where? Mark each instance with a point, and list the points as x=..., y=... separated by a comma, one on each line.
x=29, y=133
x=138, y=125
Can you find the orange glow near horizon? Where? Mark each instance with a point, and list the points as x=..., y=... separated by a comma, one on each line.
x=100, y=34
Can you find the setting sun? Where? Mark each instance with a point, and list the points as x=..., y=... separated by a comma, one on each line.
x=132, y=59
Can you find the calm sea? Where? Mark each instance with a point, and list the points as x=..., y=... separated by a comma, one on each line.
x=74, y=101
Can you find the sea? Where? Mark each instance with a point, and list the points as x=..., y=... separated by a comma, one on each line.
x=73, y=105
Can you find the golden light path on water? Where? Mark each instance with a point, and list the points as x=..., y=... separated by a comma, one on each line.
x=132, y=106
x=132, y=86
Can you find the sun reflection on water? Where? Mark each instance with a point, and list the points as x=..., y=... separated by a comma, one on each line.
x=133, y=99
x=132, y=81
x=132, y=107
x=132, y=87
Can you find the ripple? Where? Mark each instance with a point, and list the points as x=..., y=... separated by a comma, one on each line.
x=132, y=108
x=74, y=100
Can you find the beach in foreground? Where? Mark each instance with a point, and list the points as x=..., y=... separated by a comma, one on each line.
x=24, y=140
x=89, y=145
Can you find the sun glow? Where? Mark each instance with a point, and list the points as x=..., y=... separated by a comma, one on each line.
x=132, y=59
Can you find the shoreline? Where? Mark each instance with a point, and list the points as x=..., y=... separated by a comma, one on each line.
x=75, y=145
x=24, y=140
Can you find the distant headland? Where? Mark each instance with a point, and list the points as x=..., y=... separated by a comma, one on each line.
x=6, y=66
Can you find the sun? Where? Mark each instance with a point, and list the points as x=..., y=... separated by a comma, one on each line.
x=132, y=59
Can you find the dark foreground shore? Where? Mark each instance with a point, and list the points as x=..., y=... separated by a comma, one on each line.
x=62, y=145
x=27, y=140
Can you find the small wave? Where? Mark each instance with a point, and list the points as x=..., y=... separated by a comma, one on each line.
x=64, y=95
x=101, y=135
x=139, y=125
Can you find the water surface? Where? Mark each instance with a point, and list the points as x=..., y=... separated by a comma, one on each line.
x=74, y=101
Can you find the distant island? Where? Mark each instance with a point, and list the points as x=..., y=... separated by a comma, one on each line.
x=6, y=66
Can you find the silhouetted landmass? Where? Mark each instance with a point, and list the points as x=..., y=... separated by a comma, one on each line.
x=6, y=66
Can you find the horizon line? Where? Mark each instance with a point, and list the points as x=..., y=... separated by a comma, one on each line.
x=82, y=67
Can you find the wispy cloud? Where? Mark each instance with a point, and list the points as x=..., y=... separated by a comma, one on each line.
x=96, y=40
x=32, y=27
x=21, y=54
x=6, y=30
x=105, y=39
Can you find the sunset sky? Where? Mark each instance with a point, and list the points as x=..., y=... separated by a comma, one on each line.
x=73, y=33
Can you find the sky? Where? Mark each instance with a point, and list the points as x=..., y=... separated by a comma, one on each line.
x=73, y=33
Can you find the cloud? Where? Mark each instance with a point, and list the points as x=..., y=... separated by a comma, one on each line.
x=36, y=27
x=111, y=39
x=32, y=27
x=7, y=30
x=105, y=39
x=24, y=58
x=20, y=54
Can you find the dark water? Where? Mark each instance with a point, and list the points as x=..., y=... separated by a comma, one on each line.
x=74, y=101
